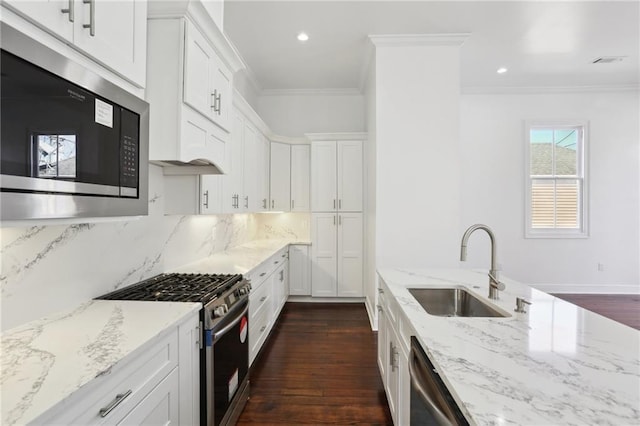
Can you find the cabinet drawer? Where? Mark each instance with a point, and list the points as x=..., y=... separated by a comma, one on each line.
x=129, y=383
x=258, y=274
x=258, y=332
x=258, y=299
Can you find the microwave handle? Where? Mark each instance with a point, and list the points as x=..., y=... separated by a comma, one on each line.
x=419, y=376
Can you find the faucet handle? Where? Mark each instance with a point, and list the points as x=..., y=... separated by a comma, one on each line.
x=521, y=305
x=495, y=283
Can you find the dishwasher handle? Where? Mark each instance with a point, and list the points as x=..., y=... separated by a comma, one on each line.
x=420, y=383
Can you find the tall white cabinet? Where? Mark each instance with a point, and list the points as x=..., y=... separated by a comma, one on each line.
x=280, y=177
x=337, y=219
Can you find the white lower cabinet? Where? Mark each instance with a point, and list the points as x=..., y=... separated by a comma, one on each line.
x=337, y=254
x=299, y=270
x=269, y=291
x=393, y=361
x=161, y=385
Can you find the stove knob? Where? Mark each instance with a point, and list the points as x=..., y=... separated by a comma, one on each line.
x=220, y=310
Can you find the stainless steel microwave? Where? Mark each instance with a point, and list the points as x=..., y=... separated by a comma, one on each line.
x=72, y=144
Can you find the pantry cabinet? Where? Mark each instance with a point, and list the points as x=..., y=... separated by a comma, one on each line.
x=280, y=182
x=113, y=33
x=336, y=176
x=336, y=254
x=300, y=178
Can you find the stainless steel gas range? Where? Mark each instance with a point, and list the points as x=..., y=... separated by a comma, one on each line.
x=224, y=327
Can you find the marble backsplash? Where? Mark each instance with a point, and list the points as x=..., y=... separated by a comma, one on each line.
x=47, y=268
x=294, y=226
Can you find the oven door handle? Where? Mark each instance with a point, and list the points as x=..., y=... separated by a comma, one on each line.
x=218, y=334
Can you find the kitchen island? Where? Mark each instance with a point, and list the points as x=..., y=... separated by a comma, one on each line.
x=555, y=364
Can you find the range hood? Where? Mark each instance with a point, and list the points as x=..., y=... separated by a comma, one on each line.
x=193, y=167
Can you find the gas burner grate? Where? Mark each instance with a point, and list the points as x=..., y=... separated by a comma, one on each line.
x=177, y=288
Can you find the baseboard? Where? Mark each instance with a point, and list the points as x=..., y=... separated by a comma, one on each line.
x=371, y=315
x=309, y=299
x=587, y=289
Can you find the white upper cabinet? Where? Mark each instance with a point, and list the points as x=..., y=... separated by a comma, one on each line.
x=113, y=33
x=350, y=175
x=250, y=200
x=233, y=180
x=264, y=158
x=336, y=176
x=280, y=177
x=207, y=81
x=300, y=175
x=324, y=176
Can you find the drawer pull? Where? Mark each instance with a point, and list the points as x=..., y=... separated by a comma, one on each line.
x=276, y=262
x=263, y=328
x=104, y=412
x=263, y=298
x=263, y=274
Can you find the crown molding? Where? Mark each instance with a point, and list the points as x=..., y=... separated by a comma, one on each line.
x=533, y=90
x=311, y=92
x=247, y=110
x=340, y=136
x=393, y=40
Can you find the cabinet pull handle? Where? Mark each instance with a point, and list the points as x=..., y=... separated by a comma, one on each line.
x=263, y=274
x=213, y=100
x=206, y=199
x=264, y=203
x=92, y=17
x=263, y=298
x=246, y=202
x=104, y=412
x=334, y=220
x=380, y=290
x=263, y=328
x=281, y=275
x=379, y=308
x=219, y=103
x=70, y=10
x=340, y=219
x=273, y=204
x=340, y=203
x=293, y=204
x=334, y=203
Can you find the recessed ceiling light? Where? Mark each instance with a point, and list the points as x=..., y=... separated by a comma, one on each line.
x=501, y=70
x=303, y=37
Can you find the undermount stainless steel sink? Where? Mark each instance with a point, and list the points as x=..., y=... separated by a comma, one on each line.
x=453, y=302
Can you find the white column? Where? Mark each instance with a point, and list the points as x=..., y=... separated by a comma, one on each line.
x=417, y=102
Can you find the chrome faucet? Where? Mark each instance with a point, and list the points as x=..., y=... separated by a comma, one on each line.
x=494, y=284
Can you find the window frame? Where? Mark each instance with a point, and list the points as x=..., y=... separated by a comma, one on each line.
x=582, y=166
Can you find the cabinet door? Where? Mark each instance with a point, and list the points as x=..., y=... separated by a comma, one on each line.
x=404, y=388
x=159, y=407
x=263, y=157
x=280, y=288
x=119, y=38
x=350, y=176
x=249, y=199
x=222, y=91
x=233, y=180
x=48, y=15
x=299, y=271
x=323, y=254
x=350, y=255
x=300, y=176
x=323, y=176
x=392, y=372
x=210, y=194
x=382, y=343
x=280, y=177
x=198, y=69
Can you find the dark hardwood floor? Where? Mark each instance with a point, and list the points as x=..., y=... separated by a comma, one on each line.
x=624, y=308
x=318, y=367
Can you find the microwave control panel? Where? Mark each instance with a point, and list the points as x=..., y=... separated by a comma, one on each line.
x=129, y=144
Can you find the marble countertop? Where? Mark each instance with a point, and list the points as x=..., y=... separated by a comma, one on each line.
x=556, y=364
x=240, y=259
x=45, y=361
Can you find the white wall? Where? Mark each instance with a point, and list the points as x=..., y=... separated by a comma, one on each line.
x=418, y=165
x=49, y=268
x=296, y=114
x=493, y=176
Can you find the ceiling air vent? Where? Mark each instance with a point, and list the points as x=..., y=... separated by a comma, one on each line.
x=607, y=59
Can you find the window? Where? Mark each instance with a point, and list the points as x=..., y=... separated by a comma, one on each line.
x=55, y=156
x=556, y=184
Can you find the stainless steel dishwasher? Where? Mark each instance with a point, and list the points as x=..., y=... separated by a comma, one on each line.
x=431, y=402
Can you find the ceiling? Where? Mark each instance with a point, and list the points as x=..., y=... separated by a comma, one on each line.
x=543, y=44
